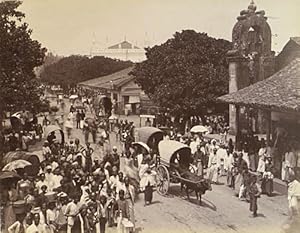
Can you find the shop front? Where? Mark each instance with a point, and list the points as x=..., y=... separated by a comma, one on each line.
x=286, y=142
x=275, y=102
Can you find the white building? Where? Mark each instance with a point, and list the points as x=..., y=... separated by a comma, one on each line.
x=124, y=51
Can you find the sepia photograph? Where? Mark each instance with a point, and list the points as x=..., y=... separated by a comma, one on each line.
x=149, y=116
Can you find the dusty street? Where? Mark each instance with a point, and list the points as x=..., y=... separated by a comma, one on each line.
x=220, y=211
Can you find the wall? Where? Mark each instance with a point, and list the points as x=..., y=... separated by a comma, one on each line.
x=130, y=89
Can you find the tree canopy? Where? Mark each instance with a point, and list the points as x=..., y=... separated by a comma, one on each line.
x=186, y=73
x=74, y=69
x=19, y=55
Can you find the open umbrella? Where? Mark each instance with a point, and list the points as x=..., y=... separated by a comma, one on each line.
x=73, y=97
x=17, y=115
x=16, y=164
x=80, y=107
x=6, y=175
x=113, y=117
x=199, y=129
x=90, y=120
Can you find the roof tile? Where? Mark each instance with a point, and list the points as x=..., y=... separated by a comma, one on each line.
x=281, y=91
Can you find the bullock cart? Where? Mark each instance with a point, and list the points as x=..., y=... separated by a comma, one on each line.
x=175, y=166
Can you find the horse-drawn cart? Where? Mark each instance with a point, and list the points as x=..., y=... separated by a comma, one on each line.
x=175, y=165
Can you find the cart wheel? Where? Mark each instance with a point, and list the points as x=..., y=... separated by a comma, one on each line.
x=163, y=180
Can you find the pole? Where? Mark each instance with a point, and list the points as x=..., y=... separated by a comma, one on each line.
x=268, y=126
x=237, y=127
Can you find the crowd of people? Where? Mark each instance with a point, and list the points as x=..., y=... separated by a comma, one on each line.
x=80, y=188
x=214, y=159
x=73, y=192
x=24, y=132
x=249, y=170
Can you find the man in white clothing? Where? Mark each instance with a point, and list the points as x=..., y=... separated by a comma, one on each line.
x=293, y=196
x=49, y=178
x=193, y=146
x=71, y=212
x=213, y=167
x=221, y=156
x=36, y=226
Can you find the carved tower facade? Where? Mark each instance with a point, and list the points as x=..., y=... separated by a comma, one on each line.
x=251, y=60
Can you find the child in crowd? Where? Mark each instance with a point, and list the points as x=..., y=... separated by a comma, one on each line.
x=254, y=194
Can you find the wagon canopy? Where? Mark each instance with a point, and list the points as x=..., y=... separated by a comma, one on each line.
x=143, y=145
x=59, y=133
x=169, y=148
x=147, y=134
x=32, y=158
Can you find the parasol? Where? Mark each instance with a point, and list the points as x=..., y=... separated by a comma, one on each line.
x=199, y=129
x=90, y=120
x=17, y=115
x=72, y=97
x=6, y=175
x=113, y=117
x=16, y=164
x=80, y=107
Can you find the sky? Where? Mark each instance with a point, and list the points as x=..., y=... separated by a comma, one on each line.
x=68, y=27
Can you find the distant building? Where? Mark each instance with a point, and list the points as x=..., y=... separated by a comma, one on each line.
x=124, y=51
x=121, y=88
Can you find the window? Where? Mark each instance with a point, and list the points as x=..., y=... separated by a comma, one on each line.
x=126, y=99
x=115, y=97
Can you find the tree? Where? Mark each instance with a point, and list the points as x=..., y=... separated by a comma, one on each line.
x=186, y=73
x=74, y=69
x=19, y=55
x=49, y=59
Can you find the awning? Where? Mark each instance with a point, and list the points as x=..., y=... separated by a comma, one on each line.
x=134, y=99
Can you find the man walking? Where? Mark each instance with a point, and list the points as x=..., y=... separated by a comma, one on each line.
x=129, y=198
x=78, y=118
x=198, y=160
x=213, y=167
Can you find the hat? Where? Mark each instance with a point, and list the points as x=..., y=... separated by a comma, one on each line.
x=76, y=177
x=55, y=141
x=48, y=167
x=74, y=163
x=36, y=210
x=62, y=194
x=114, y=148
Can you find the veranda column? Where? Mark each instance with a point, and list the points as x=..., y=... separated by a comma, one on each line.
x=237, y=127
x=268, y=125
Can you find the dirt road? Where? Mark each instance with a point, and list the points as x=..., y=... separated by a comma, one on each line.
x=220, y=211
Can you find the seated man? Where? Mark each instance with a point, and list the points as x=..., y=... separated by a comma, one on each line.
x=184, y=171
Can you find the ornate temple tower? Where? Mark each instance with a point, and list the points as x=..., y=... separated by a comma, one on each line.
x=250, y=60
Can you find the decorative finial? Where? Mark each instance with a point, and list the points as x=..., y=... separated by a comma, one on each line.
x=252, y=6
